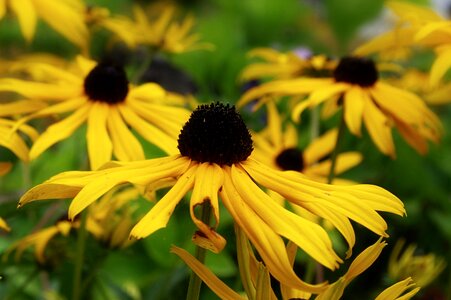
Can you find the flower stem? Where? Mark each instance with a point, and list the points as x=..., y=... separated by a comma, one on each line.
x=341, y=130
x=79, y=258
x=194, y=281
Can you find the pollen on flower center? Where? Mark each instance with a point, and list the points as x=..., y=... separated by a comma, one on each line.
x=215, y=133
x=290, y=159
x=356, y=70
x=106, y=83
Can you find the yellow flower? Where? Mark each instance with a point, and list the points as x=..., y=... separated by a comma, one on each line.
x=279, y=148
x=285, y=65
x=101, y=96
x=39, y=240
x=395, y=291
x=356, y=84
x=398, y=43
x=4, y=225
x=65, y=16
x=159, y=30
x=214, y=159
x=422, y=268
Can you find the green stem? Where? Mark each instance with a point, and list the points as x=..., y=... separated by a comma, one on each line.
x=26, y=175
x=79, y=258
x=341, y=130
x=194, y=281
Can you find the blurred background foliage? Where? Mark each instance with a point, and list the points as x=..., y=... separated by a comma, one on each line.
x=146, y=270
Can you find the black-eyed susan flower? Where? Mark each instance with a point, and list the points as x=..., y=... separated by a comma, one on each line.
x=65, y=16
x=422, y=268
x=101, y=96
x=214, y=159
x=278, y=147
x=364, y=97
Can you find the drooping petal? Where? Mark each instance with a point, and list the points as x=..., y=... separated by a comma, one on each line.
x=100, y=147
x=269, y=245
x=20, y=107
x=344, y=162
x=209, y=179
x=441, y=64
x=41, y=91
x=307, y=235
x=379, y=129
x=210, y=279
x=59, y=131
x=126, y=147
x=159, y=215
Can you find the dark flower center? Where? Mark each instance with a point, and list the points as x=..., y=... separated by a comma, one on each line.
x=106, y=83
x=290, y=159
x=356, y=70
x=215, y=133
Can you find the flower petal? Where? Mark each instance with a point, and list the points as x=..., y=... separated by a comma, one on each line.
x=26, y=14
x=353, y=109
x=100, y=147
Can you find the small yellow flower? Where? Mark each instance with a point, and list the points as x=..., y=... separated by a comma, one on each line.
x=364, y=96
x=422, y=268
x=285, y=65
x=214, y=161
x=101, y=96
x=65, y=16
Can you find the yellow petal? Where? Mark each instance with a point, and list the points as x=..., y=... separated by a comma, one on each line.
x=26, y=14
x=274, y=124
x=159, y=215
x=149, y=131
x=307, y=235
x=344, y=162
x=393, y=292
x=49, y=191
x=208, y=181
x=210, y=279
x=364, y=260
x=3, y=225
x=20, y=107
x=59, y=131
x=379, y=129
x=41, y=91
x=125, y=145
x=269, y=245
x=320, y=147
x=353, y=109
x=13, y=142
x=441, y=64
x=100, y=148
x=65, y=19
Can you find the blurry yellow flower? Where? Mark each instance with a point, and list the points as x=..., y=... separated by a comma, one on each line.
x=3, y=225
x=356, y=83
x=286, y=65
x=398, y=43
x=101, y=96
x=418, y=82
x=65, y=16
x=399, y=291
x=158, y=29
x=214, y=159
x=278, y=147
x=422, y=268
x=39, y=240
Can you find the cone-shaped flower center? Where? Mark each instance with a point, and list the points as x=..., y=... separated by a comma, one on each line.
x=215, y=133
x=356, y=70
x=290, y=159
x=106, y=83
